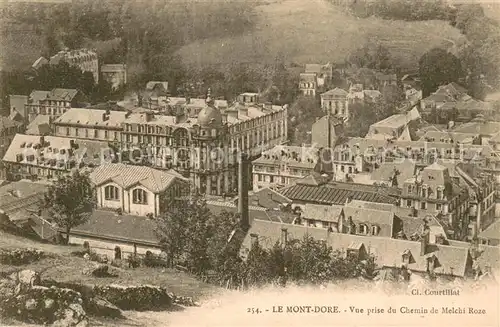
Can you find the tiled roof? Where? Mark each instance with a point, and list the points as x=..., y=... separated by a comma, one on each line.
x=107, y=224
x=92, y=117
x=483, y=128
x=20, y=194
x=62, y=94
x=381, y=218
x=492, y=232
x=388, y=252
x=385, y=172
x=254, y=212
x=267, y=198
x=321, y=212
x=140, y=118
x=337, y=193
x=372, y=93
x=86, y=151
x=39, y=62
x=412, y=225
x=293, y=156
x=129, y=175
x=39, y=126
x=448, y=135
x=6, y=122
x=37, y=95
x=336, y=92
x=308, y=77
x=489, y=256
x=150, y=85
x=112, y=68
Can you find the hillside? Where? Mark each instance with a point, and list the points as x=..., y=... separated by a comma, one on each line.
x=316, y=31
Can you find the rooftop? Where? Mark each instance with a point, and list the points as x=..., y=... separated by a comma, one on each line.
x=492, y=232
x=388, y=252
x=92, y=117
x=16, y=195
x=39, y=126
x=385, y=172
x=321, y=212
x=6, y=122
x=109, y=68
x=336, y=92
x=127, y=176
x=480, y=128
x=62, y=94
x=267, y=198
x=294, y=156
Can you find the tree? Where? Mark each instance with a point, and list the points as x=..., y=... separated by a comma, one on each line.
x=438, y=67
x=70, y=201
x=302, y=114
x=373, y=56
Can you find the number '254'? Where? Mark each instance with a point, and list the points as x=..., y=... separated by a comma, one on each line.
x=254, y=310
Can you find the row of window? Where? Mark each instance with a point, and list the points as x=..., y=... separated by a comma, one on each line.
x=425, y=191
x=112, y=193
x=423, y=205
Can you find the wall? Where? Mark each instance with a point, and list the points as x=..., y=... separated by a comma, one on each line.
x=87, y=133
x=108, y=247
x=101, y=199
x=126, y=201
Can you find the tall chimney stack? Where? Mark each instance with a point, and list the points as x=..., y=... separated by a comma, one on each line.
x=243, y=190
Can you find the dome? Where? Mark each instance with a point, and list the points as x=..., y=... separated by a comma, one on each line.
x=210, y=116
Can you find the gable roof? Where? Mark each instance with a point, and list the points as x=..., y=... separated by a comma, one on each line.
x=151, y=85
x=267, y=198
x=20, y=194
x=38, y=95
x=387, y=251
x=254, y=212
x=336, y=92
x=385, y=172
x=39, y=126
x=129, y=175
x=59, y=94
x=492, y=232
x=384, y=219
x=6, y=122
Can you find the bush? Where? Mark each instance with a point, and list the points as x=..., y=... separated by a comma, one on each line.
x=154, y=261
x=19, y=257
x=133, y=261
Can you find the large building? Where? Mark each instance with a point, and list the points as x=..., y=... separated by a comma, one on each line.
x=85, y=59
x=53, y=103
x=91, y=124
x=314, y=77
x=47, y=157
x=336, y=102
x=203, y=146
x=8, y=129
x=283, y=165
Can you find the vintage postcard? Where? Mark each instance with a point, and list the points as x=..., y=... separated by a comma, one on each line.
x=249, y=163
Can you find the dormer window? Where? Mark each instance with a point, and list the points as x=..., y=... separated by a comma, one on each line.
x=363, y=229
x=407, y=257
x=410, y=188
x=375, y=230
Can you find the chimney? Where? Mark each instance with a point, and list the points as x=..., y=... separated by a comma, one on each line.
x=284, y=237
x=243, y=190
x=42, y=141
x=424, y=242
x=128, y=113
x=105, y=116
x=149, y=116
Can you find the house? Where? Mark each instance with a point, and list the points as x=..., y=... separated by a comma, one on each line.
x=394, y=174
x=318, y=215
x=17, y=105
x=433, y=190
x=8, y=129
x=324, y=73
x=283, y=165
x=394, y=126
x=137, y=190
x=419, y=257
x=19, y=200
x=491, y=235
x=308, y=84
x=248, y=97
x=154, y=96
x=90, y=124
x=53, y=103
x=336, y=102
x=268, y=198
x=45, y=157
x=450, y=136
x=115, y=74
x=37, y=64
x=117, y=235
x=41, y=125
x=411, y=80
x=327, y=131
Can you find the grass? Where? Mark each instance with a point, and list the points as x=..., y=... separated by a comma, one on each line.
x=316, y=31
x=64, y=267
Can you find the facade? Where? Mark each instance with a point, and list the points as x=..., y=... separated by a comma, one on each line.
x=308, y=84
x=432, y=190
x=53, y=103
x=47, y=157
x=203, y=148
x=393, y=127
x=327, y=131
x=336, y=102
x=91, y=124
x=324, y=73
x=85, y=59
x=137, y=190
x=116, y=74
x=17, y=105
x=8, y=129
x=283, y=165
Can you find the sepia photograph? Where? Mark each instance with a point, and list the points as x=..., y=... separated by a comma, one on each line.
x=249, y=163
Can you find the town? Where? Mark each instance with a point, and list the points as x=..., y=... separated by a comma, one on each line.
x=381, y=171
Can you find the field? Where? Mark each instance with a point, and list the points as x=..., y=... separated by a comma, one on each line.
x=316, y=31
x=63, y=267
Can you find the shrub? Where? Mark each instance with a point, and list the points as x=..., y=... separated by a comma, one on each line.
x=133, y=261
x=154, y=261
x=19, y=257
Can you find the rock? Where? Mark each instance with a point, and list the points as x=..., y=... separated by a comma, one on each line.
x=49, y=303
x=103, y=308
x=30, y=304
x=29, y=277
x=72, y=316
x=86, y=256
x=97, y=271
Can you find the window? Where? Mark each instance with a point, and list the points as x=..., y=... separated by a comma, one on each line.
x=67, y=131
x=439, y=194
x=438, y=206
x=259, y=177
x=423, y=205
x=105, y=134
x=111, y=193
x=363, y=229
x=96, y=133
x=424, y=192
x=410, y=188
x=76, y=131
x=139, y=196
x=408, y=203
x=86, y=132
x=375, y=230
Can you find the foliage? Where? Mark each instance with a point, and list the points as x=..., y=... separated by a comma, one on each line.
x=302, y=114
x=415, y=10
x=362, y=115
x=373, y=56
x=133, y=261
x=438, y=67
x=70, y=201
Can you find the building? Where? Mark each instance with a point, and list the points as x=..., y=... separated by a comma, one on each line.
x=47, y=157
x=8, y=129
x=420, y=257
x=20, y=200
x=308, y=84
x=395, y=126
x=91, y=124
x=433, y=191
x=336, y=102
x=53, y=103
x=115, y=74
x=357, y=94
x=41, y=125
x=321, y=190
x=137, y=190
x=324, y=73
x=327, y=132
x=85, y=59
x=154, y=95
x=17, y=105
x=203, y=147
x=491, y=235
x=283, y=165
